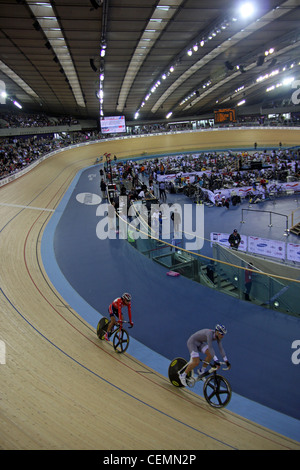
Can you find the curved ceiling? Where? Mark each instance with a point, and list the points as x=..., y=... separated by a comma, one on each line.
x=147, y=58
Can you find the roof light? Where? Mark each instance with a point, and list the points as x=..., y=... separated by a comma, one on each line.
x=288, y=80
x=17, y=104
x=246, y=9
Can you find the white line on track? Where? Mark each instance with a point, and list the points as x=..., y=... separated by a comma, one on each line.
x=2, y=352
x=27, y=207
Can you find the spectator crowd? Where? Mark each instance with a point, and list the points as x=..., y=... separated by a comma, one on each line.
x=214, y=170
x=10, y=120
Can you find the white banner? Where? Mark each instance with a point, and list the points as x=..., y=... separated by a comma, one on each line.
x=266, y=247
x=293, y=252
x=261, y=246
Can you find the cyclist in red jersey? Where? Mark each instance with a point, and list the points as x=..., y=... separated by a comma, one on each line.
x=115, y=311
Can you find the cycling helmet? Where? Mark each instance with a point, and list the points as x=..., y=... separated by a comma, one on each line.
x=126, y=297
x=221, y=329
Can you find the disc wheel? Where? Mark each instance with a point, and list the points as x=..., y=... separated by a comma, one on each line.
x=176, y=365
x=102, y=327
x=217, y=391
x=121, y=341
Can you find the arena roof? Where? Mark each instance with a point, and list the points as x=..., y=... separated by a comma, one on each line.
x=185, y=57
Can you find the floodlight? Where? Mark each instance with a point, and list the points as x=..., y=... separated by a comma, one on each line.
x=246, y=9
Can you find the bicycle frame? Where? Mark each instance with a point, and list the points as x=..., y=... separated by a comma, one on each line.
x=192, y=380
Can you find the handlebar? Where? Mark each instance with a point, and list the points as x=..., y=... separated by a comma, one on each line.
x=120, y=323
x=225, y=363
x=213, y=367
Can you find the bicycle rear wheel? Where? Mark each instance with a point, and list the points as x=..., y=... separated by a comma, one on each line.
x=176, y=365
x=121, y=340
x=217, y=391
x=102, y=327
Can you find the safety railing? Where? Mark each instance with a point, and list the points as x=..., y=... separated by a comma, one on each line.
x=271, y=215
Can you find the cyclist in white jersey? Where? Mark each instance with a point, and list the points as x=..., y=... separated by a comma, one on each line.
x=201, y=341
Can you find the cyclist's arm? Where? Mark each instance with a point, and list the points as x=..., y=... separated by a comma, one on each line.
x=222, y=351
x=120, y=311
x=210, y=346
x=129, y=314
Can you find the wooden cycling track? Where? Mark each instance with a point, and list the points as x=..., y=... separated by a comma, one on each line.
x=61, y=388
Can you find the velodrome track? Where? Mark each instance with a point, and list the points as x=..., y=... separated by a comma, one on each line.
x=60, y=387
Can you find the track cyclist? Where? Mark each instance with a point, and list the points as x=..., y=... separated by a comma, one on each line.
x=115, y=312
x=201, y=341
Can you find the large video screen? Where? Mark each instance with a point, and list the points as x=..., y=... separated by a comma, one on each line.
x=225, y=115
x=113, y=124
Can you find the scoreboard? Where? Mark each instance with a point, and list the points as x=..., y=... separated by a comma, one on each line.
x=225, y=115
x=112, y=124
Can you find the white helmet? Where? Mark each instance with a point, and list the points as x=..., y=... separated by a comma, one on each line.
x=126, y=297
x=221, y=329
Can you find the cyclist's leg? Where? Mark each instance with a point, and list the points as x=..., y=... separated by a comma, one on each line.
x=194, y=362
x=206, y=360
x=111, y=324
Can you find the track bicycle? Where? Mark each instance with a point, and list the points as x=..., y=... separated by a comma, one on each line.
x=120, y=336
x=216, y=389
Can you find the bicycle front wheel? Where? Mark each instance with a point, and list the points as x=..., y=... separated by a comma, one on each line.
x=217, y=391
x=121, y=340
